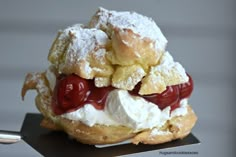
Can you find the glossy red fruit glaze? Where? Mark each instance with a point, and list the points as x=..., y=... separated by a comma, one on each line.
x=69, y=93
x=186, y=88
x=72, y=92
x=170, y=97
x=97, y=96
x=167, y=98
x=175, y=105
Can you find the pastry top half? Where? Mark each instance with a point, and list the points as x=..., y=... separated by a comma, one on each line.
x=118, y=61
x=118, y=49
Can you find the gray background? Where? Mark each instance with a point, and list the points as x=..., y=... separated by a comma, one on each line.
x=201, y=36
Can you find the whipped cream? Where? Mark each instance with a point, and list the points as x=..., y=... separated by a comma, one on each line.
x=90, y=116
x=182, y=110
x=121, y=108
x=133, y=111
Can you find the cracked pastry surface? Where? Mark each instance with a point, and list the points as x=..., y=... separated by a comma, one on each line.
x=117, y=43
x=81, y=51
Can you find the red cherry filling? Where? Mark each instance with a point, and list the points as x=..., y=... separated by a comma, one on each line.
x=97, y=96
x=170, y=97
x=69, y=93
x=175, y=105
x=167, y=98
x=72, y=92
x=186, y=88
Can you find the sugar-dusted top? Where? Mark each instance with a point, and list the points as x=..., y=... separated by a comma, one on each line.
x=78, y=46
x=141, y=25
x=118, y=49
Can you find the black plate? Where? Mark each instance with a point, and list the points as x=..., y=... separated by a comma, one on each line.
x=55, y=143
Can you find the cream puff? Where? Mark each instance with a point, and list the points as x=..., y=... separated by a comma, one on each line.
x=113, y=80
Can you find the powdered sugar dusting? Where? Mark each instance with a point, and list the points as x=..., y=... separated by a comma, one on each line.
x=85, y=40
x=156, y=132
x=74, y=46
x=141, y=25
x=173, y=72
x=39, y=81
x=130, y=82
x=84, y=50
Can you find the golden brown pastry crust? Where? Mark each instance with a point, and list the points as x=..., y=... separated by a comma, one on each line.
x=130, y=49
x=81, y=51
x=175, y=128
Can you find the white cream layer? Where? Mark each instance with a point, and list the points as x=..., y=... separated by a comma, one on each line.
x=123, y=109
